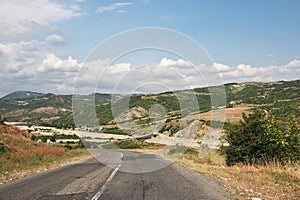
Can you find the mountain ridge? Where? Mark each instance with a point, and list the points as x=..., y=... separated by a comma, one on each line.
x=21, y=94
x=281, y=98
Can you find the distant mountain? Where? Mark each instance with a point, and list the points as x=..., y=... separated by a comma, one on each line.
x=22, y=95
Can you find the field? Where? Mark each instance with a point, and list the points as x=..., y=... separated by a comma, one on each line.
x=232, y=115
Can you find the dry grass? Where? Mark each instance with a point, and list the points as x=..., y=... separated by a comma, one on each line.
x=246, y=181
x=24, y=157
x=232, y=115
x=271, y=182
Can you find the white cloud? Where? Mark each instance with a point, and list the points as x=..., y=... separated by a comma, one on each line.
x=23, y=17
x=220, y=67
x=294, y=63
x=243, y=73
x=112, y=7
x=20, y=55
x=120, y=68
x=56, y=40
x=53, y=63
x=247, y=70
x=169, y=62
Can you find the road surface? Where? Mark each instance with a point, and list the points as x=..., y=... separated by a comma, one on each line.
x=126, y=175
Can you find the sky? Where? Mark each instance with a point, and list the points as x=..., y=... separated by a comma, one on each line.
x=46, y=45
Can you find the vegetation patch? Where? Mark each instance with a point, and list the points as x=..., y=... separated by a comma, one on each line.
x=131, y=144
x=278, y=98
x=114, y=130
x=179, y=149
x=260, y=139
x=3, y=148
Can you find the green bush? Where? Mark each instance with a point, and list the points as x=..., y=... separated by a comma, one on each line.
x=129, y=144
x=162, y=129
x=114, y=130
x=68, y=146
x=125, y=144
x=179, y=149
x=258, y=139
x=33, y=137
x=3, y=148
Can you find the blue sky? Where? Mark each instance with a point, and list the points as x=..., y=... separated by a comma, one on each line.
x=233, y=31
x=45, y=42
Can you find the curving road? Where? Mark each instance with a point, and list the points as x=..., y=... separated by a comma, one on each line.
x=126, y=175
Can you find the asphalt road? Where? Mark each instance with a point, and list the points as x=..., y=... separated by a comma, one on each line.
x=125, y=175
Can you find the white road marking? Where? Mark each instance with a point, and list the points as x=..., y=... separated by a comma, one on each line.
x=103, y=188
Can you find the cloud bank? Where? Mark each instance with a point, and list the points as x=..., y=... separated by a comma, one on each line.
x=29, y=65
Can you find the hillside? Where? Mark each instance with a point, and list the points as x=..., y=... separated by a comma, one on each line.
x=280, y=98
x=18, y=153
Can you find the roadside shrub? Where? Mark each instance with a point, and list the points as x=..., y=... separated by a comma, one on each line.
x=125, y=144
x=3, y=148
x=258, y=139
x=114, y=130
x=33, y=137
x=2, y=119
x=129, y=144
x=178, y=149
x=69, y=147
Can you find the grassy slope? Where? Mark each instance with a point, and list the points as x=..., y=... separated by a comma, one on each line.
x=21, y=156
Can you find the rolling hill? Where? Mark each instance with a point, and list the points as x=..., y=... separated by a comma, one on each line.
x=280, y=98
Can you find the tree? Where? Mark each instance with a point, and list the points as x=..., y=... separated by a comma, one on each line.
x=258, y=139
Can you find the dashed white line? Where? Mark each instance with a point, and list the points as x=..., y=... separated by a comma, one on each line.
x=102, y=189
